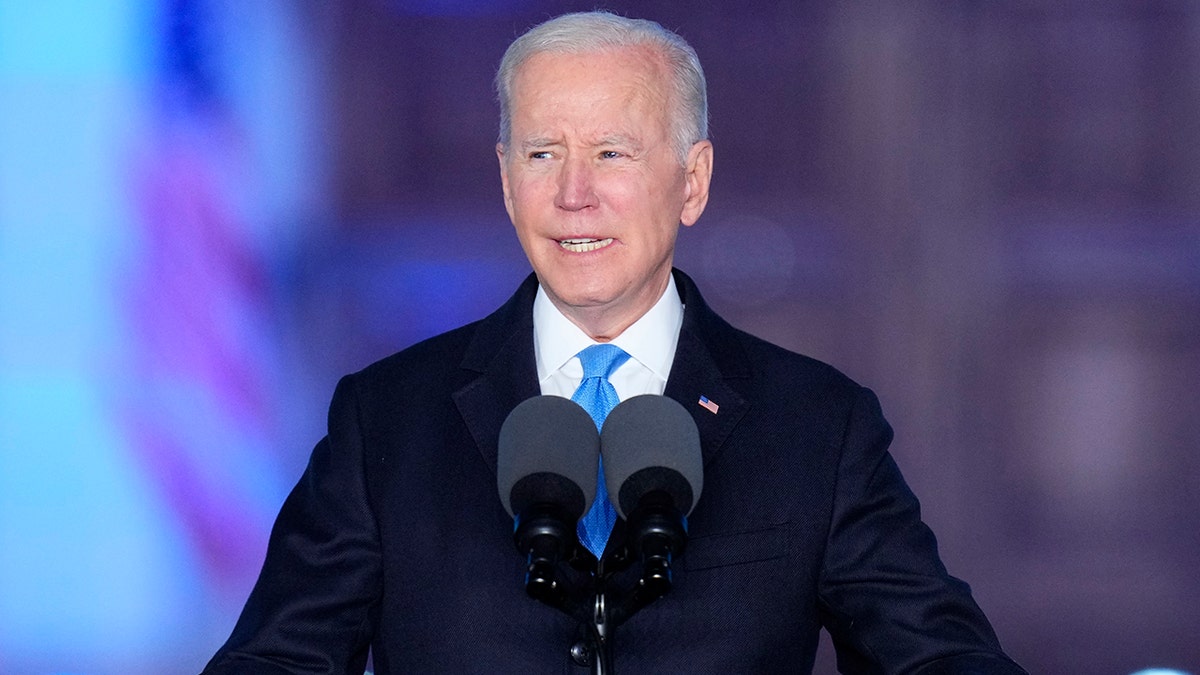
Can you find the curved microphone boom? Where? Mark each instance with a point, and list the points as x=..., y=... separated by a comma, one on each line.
x=546, y=470
x=655, y=473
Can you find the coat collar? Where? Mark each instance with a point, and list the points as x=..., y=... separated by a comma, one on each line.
x=708, y=360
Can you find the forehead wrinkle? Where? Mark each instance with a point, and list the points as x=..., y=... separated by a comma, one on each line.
x=645, y=86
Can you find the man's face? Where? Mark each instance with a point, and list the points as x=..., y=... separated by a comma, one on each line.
x=593, y=186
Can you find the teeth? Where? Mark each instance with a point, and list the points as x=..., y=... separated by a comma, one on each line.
x=584, y=245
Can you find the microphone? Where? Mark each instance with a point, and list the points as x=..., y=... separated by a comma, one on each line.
x=655, y=474
x=546, y=469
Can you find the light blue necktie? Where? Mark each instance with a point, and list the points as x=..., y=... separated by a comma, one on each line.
x=597, y=396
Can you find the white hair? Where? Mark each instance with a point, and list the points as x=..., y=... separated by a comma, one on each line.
x=587, y=32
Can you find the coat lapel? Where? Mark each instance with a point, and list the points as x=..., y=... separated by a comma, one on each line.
x=708, y=359
x=501, y=352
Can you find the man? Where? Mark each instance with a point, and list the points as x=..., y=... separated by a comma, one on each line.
x=395, y=538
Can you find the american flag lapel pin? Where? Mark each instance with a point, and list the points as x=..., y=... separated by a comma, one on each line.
x=708, y=405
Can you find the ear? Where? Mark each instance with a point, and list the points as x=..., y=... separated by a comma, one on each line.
x=500, y=155
x=697, y=177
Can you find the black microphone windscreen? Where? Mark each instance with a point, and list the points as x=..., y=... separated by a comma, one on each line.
x=651, y=443
x=548, y=452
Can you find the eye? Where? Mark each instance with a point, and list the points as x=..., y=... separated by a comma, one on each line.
x=611, y=154
x=539, y=154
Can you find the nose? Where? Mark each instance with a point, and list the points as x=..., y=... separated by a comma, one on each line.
x=576, y=185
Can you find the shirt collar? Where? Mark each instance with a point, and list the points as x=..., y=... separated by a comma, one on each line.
x=650, y=341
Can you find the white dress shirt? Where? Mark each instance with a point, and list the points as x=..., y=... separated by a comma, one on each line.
x=650, y=343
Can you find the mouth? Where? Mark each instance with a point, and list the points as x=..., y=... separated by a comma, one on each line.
x=584, y=245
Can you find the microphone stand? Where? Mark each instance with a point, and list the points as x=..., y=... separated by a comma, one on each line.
x=658, y=534
x=602, y=636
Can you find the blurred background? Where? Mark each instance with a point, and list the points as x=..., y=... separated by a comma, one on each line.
x=211, y=209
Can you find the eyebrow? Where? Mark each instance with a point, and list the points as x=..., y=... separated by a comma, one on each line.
x=619, y=139
x=538, y=142
x=623, y=140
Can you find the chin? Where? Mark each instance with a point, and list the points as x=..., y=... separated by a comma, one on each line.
x=587, y=300
x=585, y=295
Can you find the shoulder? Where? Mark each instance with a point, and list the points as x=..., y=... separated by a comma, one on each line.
x=769, y=359
x=807, y=388
x=445, y=362
x=755, y=362
x=418, y=380
x=438, y=355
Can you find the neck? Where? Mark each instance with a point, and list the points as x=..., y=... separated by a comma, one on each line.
x=600, y=325
x=601, y=331
x=603, y=323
